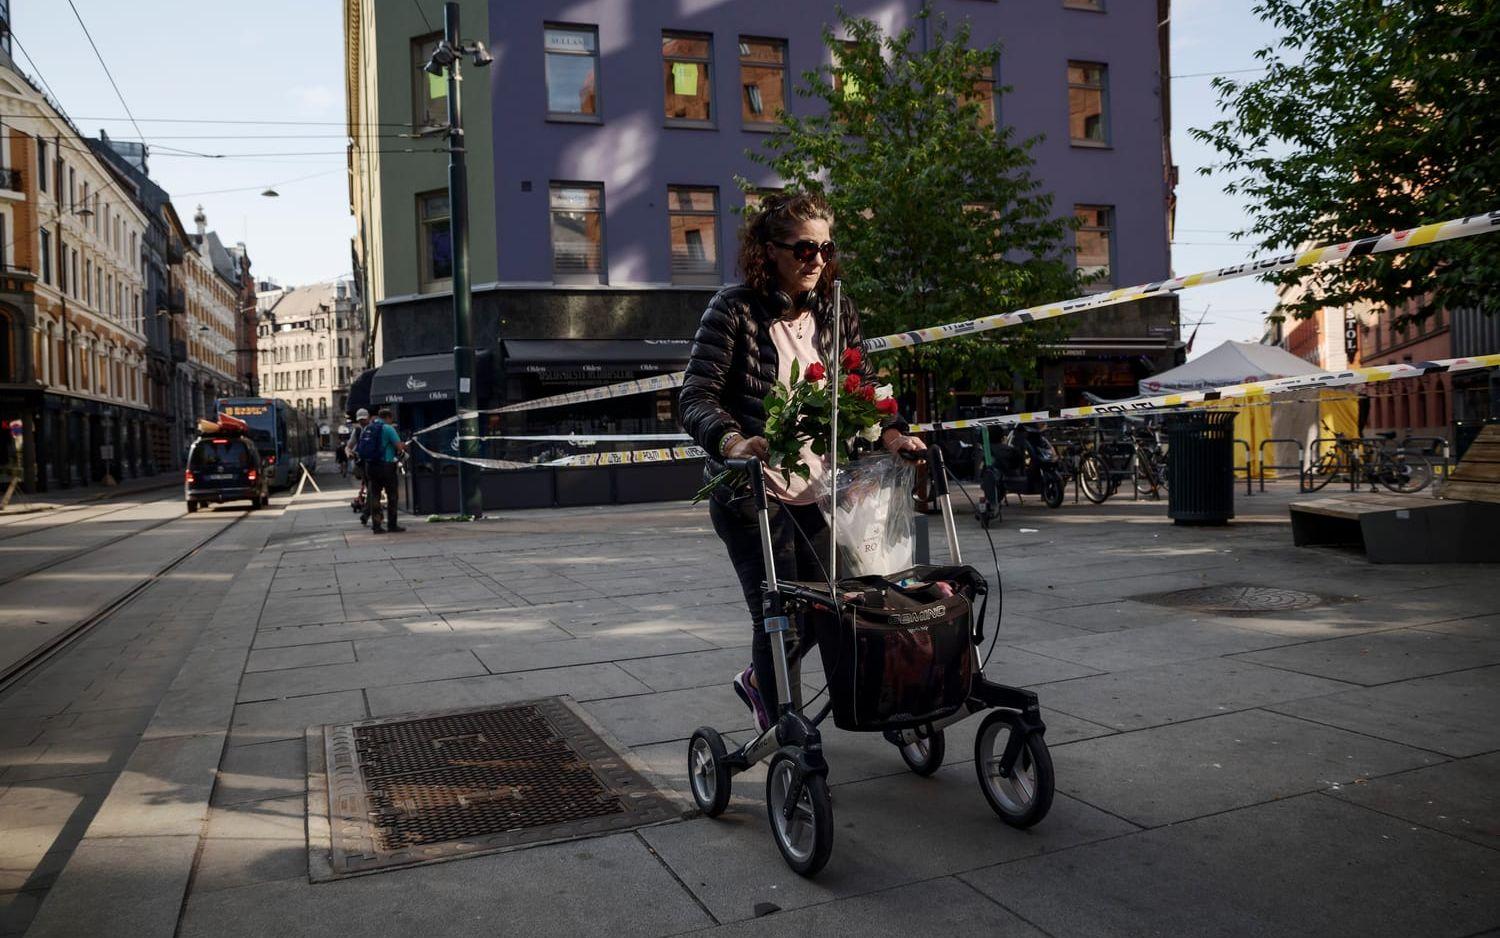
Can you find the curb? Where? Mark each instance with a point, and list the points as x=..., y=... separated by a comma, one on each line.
x=90, y=499
x=131, y=869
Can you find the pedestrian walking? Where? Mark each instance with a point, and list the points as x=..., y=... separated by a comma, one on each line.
x=379, y=446
x=748, y=338
x=341, y=452
x=362, y=497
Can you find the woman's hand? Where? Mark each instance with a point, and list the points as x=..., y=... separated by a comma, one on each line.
x=897, y=442
x=745, y=447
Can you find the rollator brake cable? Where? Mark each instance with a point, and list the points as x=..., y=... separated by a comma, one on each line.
x=999, y=588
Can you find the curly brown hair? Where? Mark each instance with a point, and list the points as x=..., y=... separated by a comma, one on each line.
x=775, y=219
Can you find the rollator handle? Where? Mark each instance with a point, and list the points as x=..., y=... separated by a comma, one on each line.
x=938, y=471
x=754, y=469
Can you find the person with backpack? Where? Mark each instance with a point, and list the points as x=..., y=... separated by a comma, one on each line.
x=377, y=448
x=361, y=503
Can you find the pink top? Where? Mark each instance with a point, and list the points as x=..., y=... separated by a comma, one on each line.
x=795, y=339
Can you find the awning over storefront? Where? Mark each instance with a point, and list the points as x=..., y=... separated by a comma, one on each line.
x=359, y=393
x=587, y=358
x=426, y=378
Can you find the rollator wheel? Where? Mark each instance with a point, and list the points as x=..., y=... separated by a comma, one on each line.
x=925, y=756
x=707, y=773
x=806, y=838
x=1023, y=798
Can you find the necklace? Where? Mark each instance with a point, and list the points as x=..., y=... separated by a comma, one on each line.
x=798, y=324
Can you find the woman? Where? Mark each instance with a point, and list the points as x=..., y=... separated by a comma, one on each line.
x=746, y=341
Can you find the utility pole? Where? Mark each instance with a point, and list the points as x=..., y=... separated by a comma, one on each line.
x=449, y=55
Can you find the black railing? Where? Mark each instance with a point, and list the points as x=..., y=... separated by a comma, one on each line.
x=179, y=350
x=177, y=301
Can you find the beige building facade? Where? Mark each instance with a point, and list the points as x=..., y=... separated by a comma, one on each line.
x=311, y=344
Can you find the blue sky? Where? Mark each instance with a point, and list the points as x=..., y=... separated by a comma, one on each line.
x=281, y=60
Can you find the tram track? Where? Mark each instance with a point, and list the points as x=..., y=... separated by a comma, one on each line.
x=16, y=672
x=24, y=520
x=84, y=552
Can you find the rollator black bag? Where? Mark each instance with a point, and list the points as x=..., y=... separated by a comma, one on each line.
x=901, y=655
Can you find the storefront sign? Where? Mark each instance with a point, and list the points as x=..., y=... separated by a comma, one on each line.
x=1351, y=335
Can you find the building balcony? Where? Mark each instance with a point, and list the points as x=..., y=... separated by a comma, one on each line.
x=179, y=350
x=176, y=301
x=10, y=180
x=176, y=251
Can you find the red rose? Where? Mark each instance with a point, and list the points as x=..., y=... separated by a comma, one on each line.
x=815, y=372
x=867, y=392
x=887, y=406
x=851, y=383
x=852, y=359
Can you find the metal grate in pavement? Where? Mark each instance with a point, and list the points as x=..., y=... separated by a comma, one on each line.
x=414, y=790
x=1237, y=599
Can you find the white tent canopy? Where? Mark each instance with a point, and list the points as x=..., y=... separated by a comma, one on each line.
x=1230, y=363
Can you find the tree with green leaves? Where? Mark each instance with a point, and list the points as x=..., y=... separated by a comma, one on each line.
x=938, y=217
x=1371, y=116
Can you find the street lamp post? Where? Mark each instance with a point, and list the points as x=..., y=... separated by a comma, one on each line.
x=447, y=57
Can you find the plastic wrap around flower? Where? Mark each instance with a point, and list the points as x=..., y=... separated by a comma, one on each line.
x=800, y=413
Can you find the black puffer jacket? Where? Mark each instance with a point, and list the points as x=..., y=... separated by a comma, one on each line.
x=733, y=366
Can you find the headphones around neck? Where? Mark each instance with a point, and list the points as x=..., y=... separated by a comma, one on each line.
x=783, y=302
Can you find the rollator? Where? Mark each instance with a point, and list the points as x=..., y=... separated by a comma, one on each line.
x=901, y=654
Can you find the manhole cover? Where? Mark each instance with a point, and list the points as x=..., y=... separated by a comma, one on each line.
x=415, y=790
x=1237, y=599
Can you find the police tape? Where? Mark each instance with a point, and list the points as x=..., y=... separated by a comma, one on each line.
x=1403, y=240
x=631, y=457
x=1251, y=391
x=481, y=461
x=580, y=439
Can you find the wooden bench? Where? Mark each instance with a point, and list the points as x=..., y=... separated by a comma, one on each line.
x=1400, y=528
x=1477, y=476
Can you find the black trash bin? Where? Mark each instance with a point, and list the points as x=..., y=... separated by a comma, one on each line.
x=1200, y=467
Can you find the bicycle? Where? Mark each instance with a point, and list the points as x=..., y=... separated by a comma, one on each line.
x=1362, y=460
x=1148, y=463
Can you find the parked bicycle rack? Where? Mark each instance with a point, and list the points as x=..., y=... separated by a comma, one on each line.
x=1300, y=466
x=1248, y=453
x=1433, y=442
x=1317, y=454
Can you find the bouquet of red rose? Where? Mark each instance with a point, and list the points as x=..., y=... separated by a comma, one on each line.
x=801, y=413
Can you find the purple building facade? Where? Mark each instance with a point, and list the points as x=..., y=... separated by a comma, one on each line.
x=619, y=127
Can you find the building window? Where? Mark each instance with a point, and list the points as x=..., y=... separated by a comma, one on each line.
x=983, y=94
x=754, y=197
x=1096, y=5
x=436, y=239
x=429, y=93
x=41, y=164
x=577, y=232
x=1095, y=244
x=693, y=217
x=46, y=255
x=1088, y=123
x=686, y=60
x=572, y=72
x=762, y=80
x=842, y=83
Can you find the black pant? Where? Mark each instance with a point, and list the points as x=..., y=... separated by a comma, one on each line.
x=799, y=546
x=381, y=481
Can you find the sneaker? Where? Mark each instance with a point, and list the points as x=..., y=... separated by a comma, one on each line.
x=751, y=696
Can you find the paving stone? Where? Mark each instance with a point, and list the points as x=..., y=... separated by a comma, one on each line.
x=938, y=906
x=1303, y=866
x=1172, y=773
x=659, y=717
x=260, y=771
x=118, y=886
x=288, y=719
x=606, y=886
x=270, y=636
x=1182, y=691
x=17, y=910
x=582, y=682
x=253, y=842
x=1383, y=657
x=1154, y=644
x=693, y=669
x=942, y=825
x=504, y=657
x=1457, y=798
x=1010, y=665
x=62, y=759
x=300, y=656
x=1484, y=626
x=1448, y=713
x=270, y=685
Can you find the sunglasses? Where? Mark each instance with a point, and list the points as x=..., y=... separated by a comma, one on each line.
x=804, y=250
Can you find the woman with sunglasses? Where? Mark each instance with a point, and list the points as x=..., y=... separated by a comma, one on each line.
x=746, y=342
